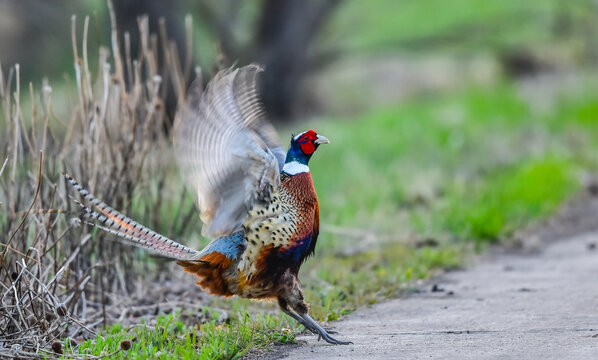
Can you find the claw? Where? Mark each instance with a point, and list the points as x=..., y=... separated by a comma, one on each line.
x=313, y=326
x=322, y=334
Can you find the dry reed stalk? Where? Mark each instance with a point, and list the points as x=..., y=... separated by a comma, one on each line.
x=55, y=282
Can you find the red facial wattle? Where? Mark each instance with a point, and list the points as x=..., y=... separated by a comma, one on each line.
x=307, y=142
x=307, y=147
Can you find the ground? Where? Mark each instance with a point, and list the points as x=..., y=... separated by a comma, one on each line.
x=535, y=302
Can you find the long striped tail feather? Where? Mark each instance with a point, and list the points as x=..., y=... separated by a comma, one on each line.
x=128, y=230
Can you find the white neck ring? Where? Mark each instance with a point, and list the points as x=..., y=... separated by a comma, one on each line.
x=294, y=168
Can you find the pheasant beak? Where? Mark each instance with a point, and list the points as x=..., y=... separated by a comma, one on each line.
x=321, y=140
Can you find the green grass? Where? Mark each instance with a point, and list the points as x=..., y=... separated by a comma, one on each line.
x=170, y=338
x=508, y=200
x=395, y=167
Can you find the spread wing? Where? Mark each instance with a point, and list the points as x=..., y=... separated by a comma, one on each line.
x=226, y=149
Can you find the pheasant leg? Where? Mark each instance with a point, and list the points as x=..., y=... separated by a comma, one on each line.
x=292, y=302
x=299, y=319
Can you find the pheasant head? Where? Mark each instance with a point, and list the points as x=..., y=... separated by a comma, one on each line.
x=300, y=151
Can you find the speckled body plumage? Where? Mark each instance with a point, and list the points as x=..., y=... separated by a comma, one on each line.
x=276, y=238
x=258, y=202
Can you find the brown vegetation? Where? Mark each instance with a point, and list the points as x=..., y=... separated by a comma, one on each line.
x=54, y=282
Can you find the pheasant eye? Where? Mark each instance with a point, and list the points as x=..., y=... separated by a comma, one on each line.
x=306, y=138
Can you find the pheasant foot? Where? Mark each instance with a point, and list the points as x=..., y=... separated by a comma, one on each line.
x=322, y=334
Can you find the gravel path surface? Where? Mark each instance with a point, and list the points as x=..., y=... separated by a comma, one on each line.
x=513, y=306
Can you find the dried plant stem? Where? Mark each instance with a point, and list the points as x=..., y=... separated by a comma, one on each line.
x=115, y=47
x=57, y=278
x=39, y=182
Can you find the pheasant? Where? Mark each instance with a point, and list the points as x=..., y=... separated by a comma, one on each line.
x=257, y=202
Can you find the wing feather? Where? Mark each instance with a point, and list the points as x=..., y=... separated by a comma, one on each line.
x=246, y=92
x=228, y=152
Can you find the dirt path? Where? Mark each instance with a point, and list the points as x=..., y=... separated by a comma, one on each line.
x=540, y=306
